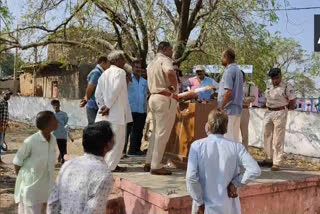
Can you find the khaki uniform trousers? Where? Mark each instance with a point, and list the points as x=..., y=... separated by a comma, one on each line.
x=233, y=132
x=274, y=134
x=244, y=126
x=164, y=111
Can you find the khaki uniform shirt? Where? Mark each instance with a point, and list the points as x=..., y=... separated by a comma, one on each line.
x=278, y=96
x=157, y=78
x=248, y=94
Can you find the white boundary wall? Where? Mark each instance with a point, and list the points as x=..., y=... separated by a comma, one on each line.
x=25, y=109
x=302, y=132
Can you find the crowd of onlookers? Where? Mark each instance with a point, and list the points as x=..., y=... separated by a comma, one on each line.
x=119, y=106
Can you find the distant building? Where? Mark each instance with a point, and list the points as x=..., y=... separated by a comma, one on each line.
x=54, y=80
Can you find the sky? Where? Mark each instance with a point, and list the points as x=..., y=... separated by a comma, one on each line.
x=298, y=25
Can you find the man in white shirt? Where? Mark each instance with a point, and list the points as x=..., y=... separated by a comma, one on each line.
x=112, y=99
x=213, y=169
x=84, y=183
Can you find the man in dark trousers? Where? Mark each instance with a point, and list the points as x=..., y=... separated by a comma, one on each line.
x=137, y=93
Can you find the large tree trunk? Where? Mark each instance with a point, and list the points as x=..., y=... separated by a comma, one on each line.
x=182, y=30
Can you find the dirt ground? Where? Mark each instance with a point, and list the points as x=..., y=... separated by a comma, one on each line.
x=18, y=132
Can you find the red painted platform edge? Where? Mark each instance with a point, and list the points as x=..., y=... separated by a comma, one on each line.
x=166, y=202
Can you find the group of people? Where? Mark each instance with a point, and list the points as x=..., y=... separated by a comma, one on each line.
x=116, y=103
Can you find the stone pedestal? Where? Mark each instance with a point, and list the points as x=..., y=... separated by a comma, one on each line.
x=189, y=126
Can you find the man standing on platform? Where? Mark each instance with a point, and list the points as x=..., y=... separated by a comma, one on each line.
x=162, y=83
x=230, y=96
x=248, y=98
x=89, y=98
x=112, y=99
x=137, y=92
x=280, y=97
x=213, y=170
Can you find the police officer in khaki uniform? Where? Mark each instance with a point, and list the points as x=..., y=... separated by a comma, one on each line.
x=162, y=84
x=248, y=98
x=280, y=98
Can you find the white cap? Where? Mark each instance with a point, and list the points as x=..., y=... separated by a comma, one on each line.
x=200, y=68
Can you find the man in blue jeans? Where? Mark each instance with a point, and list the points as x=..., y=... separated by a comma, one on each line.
x=4, y=117
x=89, y=98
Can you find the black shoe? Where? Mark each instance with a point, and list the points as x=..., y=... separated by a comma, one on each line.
x=124, y=156
x=137, y=153
x=266, y=163
x=147, y=167
x=119, y=169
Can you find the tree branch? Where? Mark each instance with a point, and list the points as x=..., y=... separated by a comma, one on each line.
x=178, y=6
x=136, y=34
x=142, y=27
x=102, y=5
x=168, y=12
x=119, y=39
x=194, y=14
x=43, y=28
x=83, y=43
x=186, y=53
x=213, y=4
x=183, y=21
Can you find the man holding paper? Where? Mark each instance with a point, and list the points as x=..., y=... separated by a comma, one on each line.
x=201, y=81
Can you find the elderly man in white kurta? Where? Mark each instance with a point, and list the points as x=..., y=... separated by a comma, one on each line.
x=112, y=98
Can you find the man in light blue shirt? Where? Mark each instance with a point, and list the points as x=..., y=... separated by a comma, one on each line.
x=230, y=94
x=89, y=98
x=61, y=133
x=137, y=93
x=213, y=170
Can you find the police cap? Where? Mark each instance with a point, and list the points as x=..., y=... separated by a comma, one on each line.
x=274, y=72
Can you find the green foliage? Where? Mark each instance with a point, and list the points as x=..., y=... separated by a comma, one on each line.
x=304, y=84
x=314, y=64
x=7, y=63
x=4, y=12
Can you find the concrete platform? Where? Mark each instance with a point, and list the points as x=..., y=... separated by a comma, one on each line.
x=290, y=191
